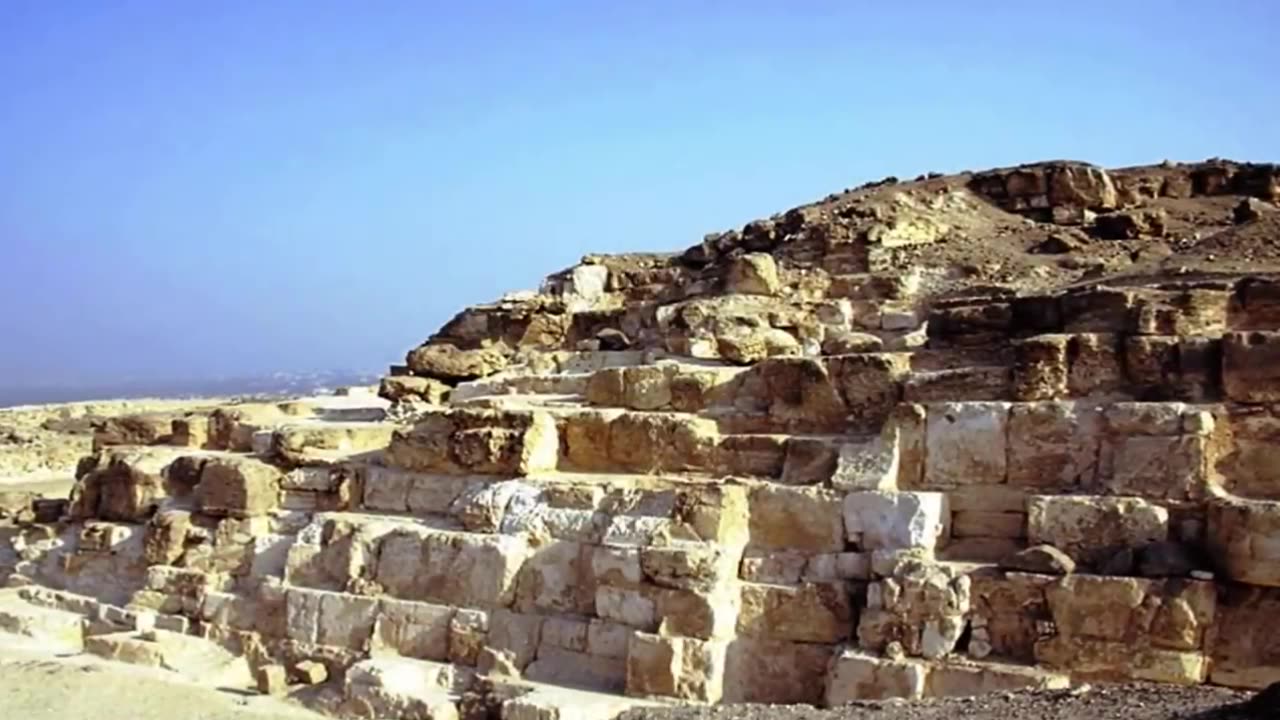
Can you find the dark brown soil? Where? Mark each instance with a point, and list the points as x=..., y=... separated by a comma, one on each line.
x=1115, y=702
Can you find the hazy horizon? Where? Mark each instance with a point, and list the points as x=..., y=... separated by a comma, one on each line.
x=232, y=189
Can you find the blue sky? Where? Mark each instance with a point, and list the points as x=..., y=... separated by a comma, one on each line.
x=191, y=189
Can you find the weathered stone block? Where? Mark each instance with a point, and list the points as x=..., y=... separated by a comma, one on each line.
x=1053, y=444
x=775, y=671
x=855, y=675
x=802, y=519
x=1244, y=539
x=812, y=612
x=1251, y=366
x=237, y=486
x=413, y=629
x=1085, y=526
x=966, y=443
x=895, y=520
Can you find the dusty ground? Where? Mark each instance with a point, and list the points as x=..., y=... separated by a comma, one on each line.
x=1131, y=702
x=34, y=686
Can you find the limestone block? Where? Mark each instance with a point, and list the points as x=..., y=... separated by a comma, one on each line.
x=647, y=442
x=645, y=387
x=800, y=519
x=462, y=440
x=812, y=612
x=687, y=565
x=971, y=680
x=1096, y=367
x=465, y=570
x=775, y=671
x=1251, y=366
x=1009, y=607
x=125, y=485
x=753, y=274
x=237, y=486
x=587, y=439
x=387, y=489
x=895, y=520
x=515, y=635
x=991, y=382
x=616, y=565
x=1119, y=661
x=1042, y=370
x=774, y=566
x=714, y=513
x=800, y=394
x=1174, y=468
x=1246, y=653
x=448, y=363
x=1098, y=310
x=808, y=461
x=408, y=387
x=751, y=455
x=272, y=679
x=1053, y=444
x=966, y=443
x=346, y=620
x=829, y=567
x=653, y=665
x=1084, y=526
x=565, y=633
x=468, y=632
x=855, y=675
x=607, y=639
x=1244, y=539
x=429, y=494
x=872, y=464
x=558, y=666
x=550, y=579
x=1099, y=607
x=704, y=615
x=870, y=384
x=628, y=606
x=412, y=629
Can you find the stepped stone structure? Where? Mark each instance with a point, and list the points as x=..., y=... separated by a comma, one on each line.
x=970, y=433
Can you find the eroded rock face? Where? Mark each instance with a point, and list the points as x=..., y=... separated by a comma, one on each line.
x=898, y=443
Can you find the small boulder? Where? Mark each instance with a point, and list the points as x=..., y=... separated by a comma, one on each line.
x=453, y=365
x=1248, y=210
x=271, y=680
x=310, y=672
x=1057, y=244
x=1040, y=559
x=404, y=387
x=848, y=342
x=613, y=339
x=753, y=274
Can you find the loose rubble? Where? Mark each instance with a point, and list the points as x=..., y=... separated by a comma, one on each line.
x=966, y=435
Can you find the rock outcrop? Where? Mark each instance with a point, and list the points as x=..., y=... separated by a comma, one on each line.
x=884, y=445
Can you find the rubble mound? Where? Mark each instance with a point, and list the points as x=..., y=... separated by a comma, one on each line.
x=1004, y=430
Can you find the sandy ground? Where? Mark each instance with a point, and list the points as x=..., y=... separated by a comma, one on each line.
x=35, y=685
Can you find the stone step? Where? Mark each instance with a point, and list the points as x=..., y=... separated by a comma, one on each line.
x=401, y=687
x=571, y=383
x=556, y=404
x=541, y=701
x=857, y=675
x=299, y=441
x=54, y=629
x=194, y=658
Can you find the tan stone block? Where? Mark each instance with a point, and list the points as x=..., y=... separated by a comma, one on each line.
x=607, y=639
x=550, y=578
x=653, y=665
x=1041, y=371
x=1118, y=661
x=1176, y=468
x=1084, y=526
x=775, y=671
x=1249, y=366
x=587, y=440
x=779, y=567
x=1096, y=368
x=966, y=444
x=628, y=606
x=346, y=620
x=800, y=519
x=1053, y=444
x=468, y=632
x=1091, y=606
x=1246, y=652
x=895, y=520
x=870, y=384
x=971, y=680
x=237, y=486
x=413, y=629
x=855, y=675
x=702, y=615
x=1009, y=606
x=715, y=513
x=1244, y=539
x=812, y=612
x=557, y=666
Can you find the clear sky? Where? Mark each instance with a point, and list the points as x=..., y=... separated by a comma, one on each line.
x=192, y=188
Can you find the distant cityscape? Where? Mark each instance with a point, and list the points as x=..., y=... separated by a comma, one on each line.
x=273, y=384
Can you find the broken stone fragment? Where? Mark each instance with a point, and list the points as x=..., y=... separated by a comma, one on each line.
x=310, y=672
x=453, y=365
x=753, y=274
x=1042, y=559
x=272, y=680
